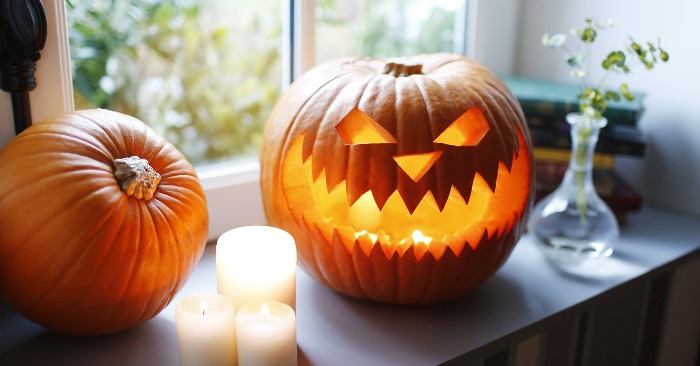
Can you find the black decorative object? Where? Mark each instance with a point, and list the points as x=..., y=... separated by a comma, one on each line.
x=22, y=37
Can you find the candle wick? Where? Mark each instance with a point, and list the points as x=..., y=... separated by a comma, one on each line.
x=203, y=306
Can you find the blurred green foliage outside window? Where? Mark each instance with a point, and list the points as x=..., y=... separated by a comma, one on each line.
x=206, y=74
x=205, y=78
x=384, y=28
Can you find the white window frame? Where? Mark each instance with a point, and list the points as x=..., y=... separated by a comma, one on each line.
x=232, y=190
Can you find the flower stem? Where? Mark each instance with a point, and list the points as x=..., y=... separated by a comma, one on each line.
x=581, y=154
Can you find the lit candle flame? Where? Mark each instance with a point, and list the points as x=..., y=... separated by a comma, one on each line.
x=265, y=309
x=204, y=306
x=419, y=237
x=372, y=236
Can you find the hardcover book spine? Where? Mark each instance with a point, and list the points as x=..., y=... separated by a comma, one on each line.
x=546, y=103
x=612, y=140
x=546, y=113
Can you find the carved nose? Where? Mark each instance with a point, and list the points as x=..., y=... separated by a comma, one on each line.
x=416, y=165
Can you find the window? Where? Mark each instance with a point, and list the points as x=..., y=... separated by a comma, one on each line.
x=286, y=35
x=203, y=74
x=386, y=28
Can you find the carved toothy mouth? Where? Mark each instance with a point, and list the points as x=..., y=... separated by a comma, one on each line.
x=488, y=211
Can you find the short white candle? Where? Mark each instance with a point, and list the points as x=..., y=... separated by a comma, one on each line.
x=255, y=263
x=266, y=334
x=206, y=330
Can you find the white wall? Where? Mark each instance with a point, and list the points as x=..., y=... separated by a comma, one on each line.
x=669, y=174
x=493, y=27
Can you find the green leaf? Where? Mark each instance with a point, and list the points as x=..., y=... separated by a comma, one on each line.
x=615, y=59
x=624, y=89
x=611, y=95
x=587, y=93
x=598, y=98
x=572, y=60
x=588, y=35
x=636, y=48
x=618, y=57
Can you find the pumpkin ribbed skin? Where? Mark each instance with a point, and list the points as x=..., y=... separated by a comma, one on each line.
x=77, y=254
x=411, y=106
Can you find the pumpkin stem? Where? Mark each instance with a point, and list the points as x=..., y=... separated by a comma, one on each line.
x=402, y=66
x=136, y=177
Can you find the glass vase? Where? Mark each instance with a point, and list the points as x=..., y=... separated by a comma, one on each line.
x=572, y=225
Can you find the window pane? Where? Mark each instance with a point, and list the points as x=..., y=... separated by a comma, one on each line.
x=384, y=28
x=204, y=74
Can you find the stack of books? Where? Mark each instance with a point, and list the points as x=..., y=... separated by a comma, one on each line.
x=546, y=104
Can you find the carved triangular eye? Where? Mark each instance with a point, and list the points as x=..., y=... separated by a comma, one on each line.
x=359, y=128
x=467, y=130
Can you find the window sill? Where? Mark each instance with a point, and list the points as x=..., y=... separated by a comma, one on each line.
x=522, y=300
x=233, y=195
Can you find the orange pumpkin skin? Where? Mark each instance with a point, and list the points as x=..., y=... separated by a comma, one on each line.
x=79, y=255
x=336, y=186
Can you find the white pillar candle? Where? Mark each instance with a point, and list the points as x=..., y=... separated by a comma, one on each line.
x=266, y=334
x=255, y=263
x=206, y=330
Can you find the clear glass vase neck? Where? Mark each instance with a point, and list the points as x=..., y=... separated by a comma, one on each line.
x=584, y=138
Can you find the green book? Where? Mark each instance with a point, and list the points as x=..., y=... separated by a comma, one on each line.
x=546, y=103
x=613, y=139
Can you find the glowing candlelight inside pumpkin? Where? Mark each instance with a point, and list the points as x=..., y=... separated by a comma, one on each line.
x=364, y=213
x=418, y=237
x=372, y=236
x=206, y=330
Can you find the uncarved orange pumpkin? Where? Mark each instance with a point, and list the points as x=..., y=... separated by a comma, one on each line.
x=101, y=222
x=402, y=181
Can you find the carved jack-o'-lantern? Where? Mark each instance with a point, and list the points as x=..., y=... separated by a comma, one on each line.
x=401, y=182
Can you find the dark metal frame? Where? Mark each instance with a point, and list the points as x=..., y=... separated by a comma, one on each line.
x=23, y=32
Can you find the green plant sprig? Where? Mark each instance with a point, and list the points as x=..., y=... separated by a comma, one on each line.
x=594, y=98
